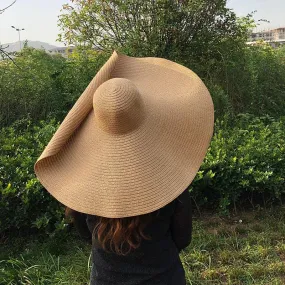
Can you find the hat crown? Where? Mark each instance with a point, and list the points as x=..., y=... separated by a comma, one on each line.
x=118, y=106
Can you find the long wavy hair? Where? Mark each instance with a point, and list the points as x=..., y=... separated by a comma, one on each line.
x=122, y=235
x=119, y=235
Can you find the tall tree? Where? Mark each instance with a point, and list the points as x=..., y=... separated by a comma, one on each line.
x=173, y=29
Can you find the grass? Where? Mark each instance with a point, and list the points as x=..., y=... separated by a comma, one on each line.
x=244, y=249
x=64, y=259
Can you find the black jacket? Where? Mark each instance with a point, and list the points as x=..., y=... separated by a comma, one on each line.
x=156, y=261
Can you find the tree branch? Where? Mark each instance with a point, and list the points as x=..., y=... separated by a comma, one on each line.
x=4, y=9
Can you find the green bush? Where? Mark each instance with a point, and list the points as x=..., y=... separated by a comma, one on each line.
x=205, y=36
x=245, y=163
x=249, y=80
x=42, y=85
x=241, y=79
x=23, y=203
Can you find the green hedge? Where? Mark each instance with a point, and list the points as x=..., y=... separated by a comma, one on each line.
x=245, y=164
x=23, y=203
x=250, y=79
x=40, y=84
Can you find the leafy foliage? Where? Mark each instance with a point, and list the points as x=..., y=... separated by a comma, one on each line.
x=178, y=30
x=203, y=35
x=252, y=80
x=245, y=163
x=41, y=85
x=23, y=203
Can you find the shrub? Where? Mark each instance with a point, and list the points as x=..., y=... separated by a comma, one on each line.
x=251, y=80
x=42, y=85
x=245, y=162
x=23, y=203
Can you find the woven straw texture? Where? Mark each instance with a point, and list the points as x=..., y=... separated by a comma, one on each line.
x=132, y=142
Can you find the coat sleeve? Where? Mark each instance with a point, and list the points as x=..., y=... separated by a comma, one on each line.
x=181, y=223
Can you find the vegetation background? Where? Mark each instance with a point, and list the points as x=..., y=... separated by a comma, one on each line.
x=245, y=165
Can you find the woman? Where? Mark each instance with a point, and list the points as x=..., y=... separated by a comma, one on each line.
x=145, y=248
x=123, y=158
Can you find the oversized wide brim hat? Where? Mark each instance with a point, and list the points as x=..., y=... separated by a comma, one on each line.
x=132, y=142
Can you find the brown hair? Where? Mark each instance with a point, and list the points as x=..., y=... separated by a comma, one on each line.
x=121, y=235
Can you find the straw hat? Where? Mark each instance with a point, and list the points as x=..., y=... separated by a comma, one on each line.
x=132, y=142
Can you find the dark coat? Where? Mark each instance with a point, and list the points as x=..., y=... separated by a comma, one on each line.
x=156, y=261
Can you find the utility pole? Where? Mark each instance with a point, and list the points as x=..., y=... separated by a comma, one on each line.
x=19, y=33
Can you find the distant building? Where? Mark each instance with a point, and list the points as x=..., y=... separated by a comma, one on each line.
x=64, y=51
x=274, y=37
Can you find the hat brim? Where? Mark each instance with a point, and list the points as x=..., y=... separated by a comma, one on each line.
x=99, y=173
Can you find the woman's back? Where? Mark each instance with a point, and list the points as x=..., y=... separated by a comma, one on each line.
x=156, y=260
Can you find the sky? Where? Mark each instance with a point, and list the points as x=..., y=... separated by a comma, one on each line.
x=39, y=17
